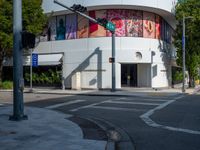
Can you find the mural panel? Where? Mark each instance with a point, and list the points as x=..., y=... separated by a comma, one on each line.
x=134, y=23
x=71, y=26
x=158, y=27
x=82, y=27
x=60, y=29
x=148, y=25
x=96, y=30
x=118, y=18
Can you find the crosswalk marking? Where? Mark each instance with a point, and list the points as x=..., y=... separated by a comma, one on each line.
x=64, y=104
x=94, y=104
x=118, y=108
x=154, y=100
x=115, y=101
x=87, y=106
x=134, y=103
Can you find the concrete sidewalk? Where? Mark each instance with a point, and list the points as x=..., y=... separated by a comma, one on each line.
x=44, y=130
x=121, y=92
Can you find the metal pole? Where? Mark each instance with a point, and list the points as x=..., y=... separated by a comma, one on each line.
x=183, y=46
x=31, y=71
x=113, y=63
x=18, y=84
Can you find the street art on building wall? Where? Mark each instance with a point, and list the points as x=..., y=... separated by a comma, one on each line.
x=52, y=28
x=148, y=25
x=82, y=27
x=118, y=18
x=96, y=30
x=71, y=26
x=134, y=23
x=60, y=29
x=131, y=23
x=158, y=27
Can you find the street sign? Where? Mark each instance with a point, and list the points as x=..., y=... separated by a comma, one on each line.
x=34, y=60
x=110, y=26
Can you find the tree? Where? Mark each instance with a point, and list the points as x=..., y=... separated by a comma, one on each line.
x=34, y=21
x=192, y=35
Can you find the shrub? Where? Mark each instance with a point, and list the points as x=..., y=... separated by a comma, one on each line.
x=48, y=77
x=177, y=77
x=6, y=85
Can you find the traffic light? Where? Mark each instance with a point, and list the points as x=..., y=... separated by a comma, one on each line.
x=28, y=40
x=78, y=7
x=102, y=21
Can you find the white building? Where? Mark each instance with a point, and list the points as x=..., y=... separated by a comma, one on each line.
x=144, y=50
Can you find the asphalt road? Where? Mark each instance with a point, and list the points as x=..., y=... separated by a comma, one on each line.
x=151, y=123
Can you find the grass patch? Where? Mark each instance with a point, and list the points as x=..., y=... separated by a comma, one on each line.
x=6, y=85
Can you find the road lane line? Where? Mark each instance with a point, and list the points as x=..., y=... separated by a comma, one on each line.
x=64, y=104
x=146, y=118
x=134, y=103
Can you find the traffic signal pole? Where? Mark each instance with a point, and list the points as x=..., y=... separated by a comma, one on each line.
x=108, y=26
x=113, y=63
x=18, y=82
x=78, y=12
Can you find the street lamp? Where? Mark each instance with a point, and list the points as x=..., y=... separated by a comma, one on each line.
x=183, y=46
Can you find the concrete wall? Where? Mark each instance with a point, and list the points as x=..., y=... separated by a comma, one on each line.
x=90, y=57
x=144, y=75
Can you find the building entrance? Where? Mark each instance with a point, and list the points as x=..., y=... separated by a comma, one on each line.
x=128, y=75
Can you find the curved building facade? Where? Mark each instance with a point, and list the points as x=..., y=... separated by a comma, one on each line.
x=144, y=49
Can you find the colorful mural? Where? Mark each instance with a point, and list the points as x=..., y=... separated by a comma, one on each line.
x=134, y=23
x=131, y=23
x=60, y=29
x=118, y=18
x=158, y=27
x=82, y=27
x=96, y=30
x=148, y=25
x=71, y=26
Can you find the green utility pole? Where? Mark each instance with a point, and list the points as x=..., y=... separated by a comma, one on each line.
x=108, y=25
x=18, y=105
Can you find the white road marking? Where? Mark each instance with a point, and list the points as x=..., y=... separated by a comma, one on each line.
x=64, y=104
x=94, y=104
x=87, y=106
x=117, y=108
x=146, y=118
x=133, y=103
x=155, y=100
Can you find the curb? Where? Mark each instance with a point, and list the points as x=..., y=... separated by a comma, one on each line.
x=117, y=137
